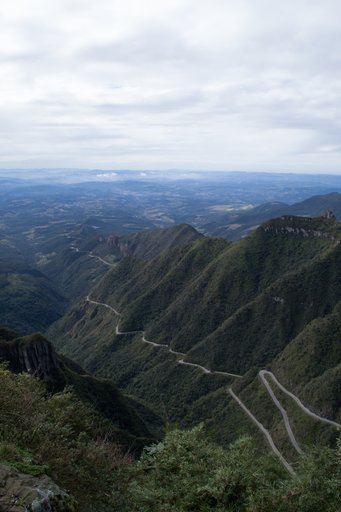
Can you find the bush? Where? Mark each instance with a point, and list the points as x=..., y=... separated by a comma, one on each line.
x=58, y=435
x=187, y=473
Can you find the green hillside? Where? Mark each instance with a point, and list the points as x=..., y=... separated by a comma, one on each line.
x=144, y=244
x=234, y=307
x=45, y=437
x=56, y=435
x=34, y=354
x=311, y=363
x=75, y=272
x=29, y=300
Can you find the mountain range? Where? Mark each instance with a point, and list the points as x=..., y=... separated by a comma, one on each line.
x=232, y=308
x=35, y=355
x=238, y=224
x=143, y=331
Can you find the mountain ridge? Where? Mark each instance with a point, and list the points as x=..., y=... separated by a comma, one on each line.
x=264, y=266
x=35, y=355
x=239, y=224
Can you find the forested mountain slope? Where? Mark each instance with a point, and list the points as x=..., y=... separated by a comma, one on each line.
x=76, y=272
x=231, y=307
x=35, y=355
x=29, y=300
x=144, y=244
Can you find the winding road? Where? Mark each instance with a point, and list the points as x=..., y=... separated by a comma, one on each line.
x=277, y=403
x=266, y=433
x=154, y=344
x=112, y=265
x=91, y=255
x=298, y=401
x=262, y=376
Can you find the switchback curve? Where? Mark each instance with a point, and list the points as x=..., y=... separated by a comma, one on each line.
x=262, y=375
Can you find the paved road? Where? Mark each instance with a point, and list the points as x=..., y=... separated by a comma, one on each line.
x=262, y=376
x=180, y=361
x=266, y=433
x=298, y=401
x=102, y=304
x=292, y=438
x=124, y=333
x=176, y=353
x=155, y=344
x=205, y=370
x=91, y=255
x=101, y=260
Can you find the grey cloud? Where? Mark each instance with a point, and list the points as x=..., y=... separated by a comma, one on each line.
x=173, y=88
x=167, y=102
x=151, y=45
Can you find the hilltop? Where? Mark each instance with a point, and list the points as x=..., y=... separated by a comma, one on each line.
x=238, y=224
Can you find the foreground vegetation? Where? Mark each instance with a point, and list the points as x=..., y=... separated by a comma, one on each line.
x=57, y=435
x=60, y=436
x=186, y=472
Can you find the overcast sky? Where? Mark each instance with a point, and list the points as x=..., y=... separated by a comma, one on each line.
x=166, y=84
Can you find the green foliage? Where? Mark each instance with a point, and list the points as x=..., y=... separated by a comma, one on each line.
x=59, y=435
x=187, y=473
x=38, y=354
x=317, y=486
x=229, y=306
x=22, y=460
x=29, y=301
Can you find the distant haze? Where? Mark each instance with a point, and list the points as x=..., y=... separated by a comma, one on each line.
x=171, y=84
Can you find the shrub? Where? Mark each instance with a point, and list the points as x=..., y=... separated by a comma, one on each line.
x=59, y=435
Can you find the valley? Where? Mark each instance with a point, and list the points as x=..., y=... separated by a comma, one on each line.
x=262, y=376
x=160, y=326
x=182, y=359
x=170, y=256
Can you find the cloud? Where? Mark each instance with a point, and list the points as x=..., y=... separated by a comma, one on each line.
x=230, y=84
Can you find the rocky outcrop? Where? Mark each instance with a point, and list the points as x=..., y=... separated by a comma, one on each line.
x=32, y=354
x=25, y=493
x=149, y=243
x=118, y=243
x=36, y=355
x=305, y=227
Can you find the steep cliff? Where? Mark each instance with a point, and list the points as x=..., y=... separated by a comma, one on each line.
x=35, y=355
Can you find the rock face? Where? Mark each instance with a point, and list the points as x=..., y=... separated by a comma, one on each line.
x=32, y=354
x=304, y=227
x=149, y=243
x=25, y=493
x=119, y=243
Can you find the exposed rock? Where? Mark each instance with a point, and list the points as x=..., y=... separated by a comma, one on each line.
x=26, y=493
x=119, y=243
x=278, y=299
x=304, y=227
x=32, y=354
